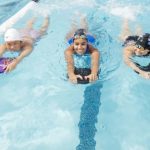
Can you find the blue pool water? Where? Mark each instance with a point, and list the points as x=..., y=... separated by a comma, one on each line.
x=40, y=110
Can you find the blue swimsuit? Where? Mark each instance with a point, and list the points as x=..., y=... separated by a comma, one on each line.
x=82, y=66
x=82, y=61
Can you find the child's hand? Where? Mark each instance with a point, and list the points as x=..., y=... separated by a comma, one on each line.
x=11, y=66
x=92, y=77
x=144, y=74
x=73, y=78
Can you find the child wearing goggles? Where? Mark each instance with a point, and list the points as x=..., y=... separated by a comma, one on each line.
x=135, y=45
x=81, y=57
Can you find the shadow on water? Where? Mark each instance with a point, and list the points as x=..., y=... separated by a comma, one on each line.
x=88, y=117
x=10, y=4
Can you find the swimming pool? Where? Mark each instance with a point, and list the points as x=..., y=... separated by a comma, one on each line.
x=40, y=110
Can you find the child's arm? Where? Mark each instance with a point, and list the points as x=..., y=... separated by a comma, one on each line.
x=69, y=60
x=70, y=64
x=2, y=50
x=128, y=53
x=26, y=51
x=95, y=56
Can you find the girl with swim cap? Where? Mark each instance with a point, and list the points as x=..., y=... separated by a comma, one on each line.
x=135, y=45
x=81, y=57
x=21, y=41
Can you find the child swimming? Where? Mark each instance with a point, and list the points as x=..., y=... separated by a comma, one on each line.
x=135, y=45
x=21, y=41
x=81, y=57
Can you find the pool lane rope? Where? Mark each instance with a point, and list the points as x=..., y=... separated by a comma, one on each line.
x=13, y=19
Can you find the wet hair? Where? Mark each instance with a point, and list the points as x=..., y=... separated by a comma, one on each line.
x=79, y=32
x=130, y=39
x=144, y=41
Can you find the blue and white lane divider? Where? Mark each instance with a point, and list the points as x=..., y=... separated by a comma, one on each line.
x=88, y=117
x=12, y=20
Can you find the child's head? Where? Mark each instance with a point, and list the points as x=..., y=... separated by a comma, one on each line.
x=80, y=41
x=142, y=46
x=12, y=39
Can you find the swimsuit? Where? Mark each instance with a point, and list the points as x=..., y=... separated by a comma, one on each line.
x=82, y=64
x=34, y=34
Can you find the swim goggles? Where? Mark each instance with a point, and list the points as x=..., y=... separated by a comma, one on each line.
x=80, y=36
x=148, y=41
x=138, y=46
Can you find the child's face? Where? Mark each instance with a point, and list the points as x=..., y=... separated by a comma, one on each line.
x=80, y=46
x=140, y=51
x=13, y=45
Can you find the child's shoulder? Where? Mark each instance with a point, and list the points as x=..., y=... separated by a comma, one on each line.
x=92, y=48
x=129, y=50
x=69, y=50
x=26, y=43
x=2, y=47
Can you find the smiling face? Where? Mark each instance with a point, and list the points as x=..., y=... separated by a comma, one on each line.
x=80, y=46
x=140, y=51
x=13, y=45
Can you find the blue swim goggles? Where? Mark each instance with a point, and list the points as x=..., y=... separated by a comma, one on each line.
x=88, y=37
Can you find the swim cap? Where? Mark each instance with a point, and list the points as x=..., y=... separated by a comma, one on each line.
x=12, y=35
x=144, y=41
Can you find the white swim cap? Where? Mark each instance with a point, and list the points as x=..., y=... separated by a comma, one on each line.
x=12, y=35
